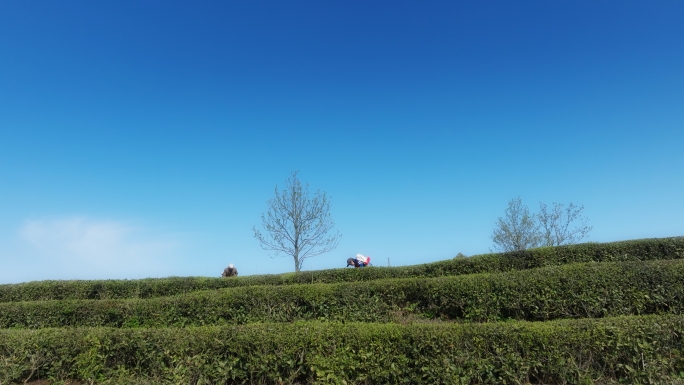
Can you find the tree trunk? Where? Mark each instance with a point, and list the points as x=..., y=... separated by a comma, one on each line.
x=296, y=260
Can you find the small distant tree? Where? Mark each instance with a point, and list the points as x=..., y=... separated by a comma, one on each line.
x=555, y=224
x=517, y=229
x=520, y=230
x=297, y=225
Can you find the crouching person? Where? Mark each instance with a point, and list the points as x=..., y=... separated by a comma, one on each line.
x=230, y=271
x=359, y=261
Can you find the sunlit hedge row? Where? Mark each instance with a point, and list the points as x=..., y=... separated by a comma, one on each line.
x=570, y=291
x=645, y=249
x=636, y=349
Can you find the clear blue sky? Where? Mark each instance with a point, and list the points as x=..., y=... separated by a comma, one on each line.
x=143, y=139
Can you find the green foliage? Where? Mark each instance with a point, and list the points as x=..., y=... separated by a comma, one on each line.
x=381, y=325
x=588, y=290
x=636, y=349
x=637, y=250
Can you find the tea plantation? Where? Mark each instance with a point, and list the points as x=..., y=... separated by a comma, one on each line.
x=582, y=314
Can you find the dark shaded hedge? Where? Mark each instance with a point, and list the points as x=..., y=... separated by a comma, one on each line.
x=642, y=250
x=571, y=291
x=637, y=349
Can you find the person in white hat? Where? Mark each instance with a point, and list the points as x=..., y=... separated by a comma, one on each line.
x=359, y=261
x=230, y=271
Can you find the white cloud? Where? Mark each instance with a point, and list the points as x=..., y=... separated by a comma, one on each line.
x=84, y=248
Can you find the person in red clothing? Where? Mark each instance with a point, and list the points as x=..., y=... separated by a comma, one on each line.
x=359, y=261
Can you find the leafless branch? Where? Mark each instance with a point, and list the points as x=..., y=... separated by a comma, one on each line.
x=520, y=230
x=555, y=224
x=517, y=230
x=297, y=225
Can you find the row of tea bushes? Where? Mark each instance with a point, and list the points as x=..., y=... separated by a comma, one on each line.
x=588, y=290
x=634, y=349
x=636, y=250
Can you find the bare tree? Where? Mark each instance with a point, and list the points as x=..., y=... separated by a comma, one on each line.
x=296, y=225
x=517, y=230
x=555, y=224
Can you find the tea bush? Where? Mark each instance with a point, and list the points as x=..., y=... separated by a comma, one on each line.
x=635, y=250
x=588, y=290
x=635, y=349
